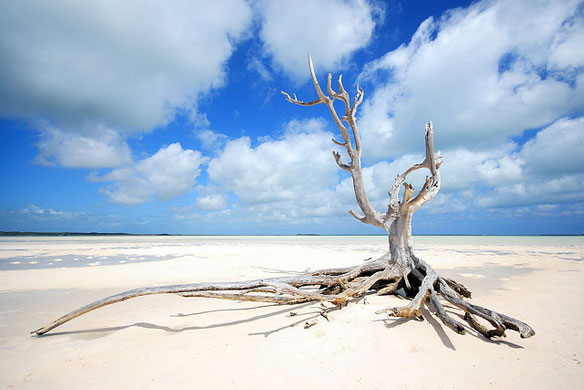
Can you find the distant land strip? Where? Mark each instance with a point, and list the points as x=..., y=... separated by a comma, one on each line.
x=75, y=234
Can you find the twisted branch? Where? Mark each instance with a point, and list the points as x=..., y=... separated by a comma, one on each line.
x=370, y=215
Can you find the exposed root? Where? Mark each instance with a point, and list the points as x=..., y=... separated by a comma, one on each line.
x=444, y=317
x=338, y=287
x=453, y=293
x=459, y=288
x=414, y=308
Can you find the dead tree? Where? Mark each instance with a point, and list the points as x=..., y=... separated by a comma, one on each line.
x=399, y=270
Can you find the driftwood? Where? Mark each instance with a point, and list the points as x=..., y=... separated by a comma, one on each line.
x=398, y=271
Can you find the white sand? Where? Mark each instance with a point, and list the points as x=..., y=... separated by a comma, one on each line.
x=168, y=341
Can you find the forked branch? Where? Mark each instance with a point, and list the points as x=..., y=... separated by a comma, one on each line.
x=429, y=190
x=370, y=214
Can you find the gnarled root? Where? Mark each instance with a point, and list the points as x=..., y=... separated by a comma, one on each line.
x=338, y=286
x=432, y=285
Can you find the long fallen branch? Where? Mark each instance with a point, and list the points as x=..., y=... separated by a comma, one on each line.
x=338, y=287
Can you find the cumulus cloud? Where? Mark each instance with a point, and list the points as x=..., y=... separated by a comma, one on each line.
x=547, y=169
x=44, y=219
x=294, y=175
x=551, y=169
x=92, y=74
x=482, y=74
x=210, y=139
x=565, y=52
x=82, y=65
x=211, y=202
x=254, y=64
x=102, y=61
x=102, y=149
x=37, y=212
x=563, y=189
x=280, y=169
x=556, y=150
x=169, y=173
x=331, y=29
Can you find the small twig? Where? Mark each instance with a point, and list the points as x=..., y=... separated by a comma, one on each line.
x=309, y=324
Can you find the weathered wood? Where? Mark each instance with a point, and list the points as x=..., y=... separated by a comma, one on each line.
x=397, y=268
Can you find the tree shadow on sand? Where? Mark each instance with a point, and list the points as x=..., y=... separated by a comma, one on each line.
x=306, y=318
x=147, y=325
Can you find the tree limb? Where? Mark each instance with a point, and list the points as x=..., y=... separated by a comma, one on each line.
x=340, y=163
x=371, y=216
x=300, y=102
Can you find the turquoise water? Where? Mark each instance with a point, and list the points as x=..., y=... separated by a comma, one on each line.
x=311, y=240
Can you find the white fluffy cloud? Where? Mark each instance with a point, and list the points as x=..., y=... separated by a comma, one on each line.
x=331, y=29
x=551, y=169
x=36, y=212
x=211, y=202
x=210, y=139
x=169, y=173
x=547, y=169
x=563, y=189
x=93, y=73
x=86, y=65
x=102, y=149
x=482, y=74
x=75, y=62
x=294, y=175
x=556, y=150
x=276, y=170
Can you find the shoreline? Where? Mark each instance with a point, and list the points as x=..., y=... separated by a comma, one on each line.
x=105, y=234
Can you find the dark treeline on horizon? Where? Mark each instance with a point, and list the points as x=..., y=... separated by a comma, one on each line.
x=73, y=234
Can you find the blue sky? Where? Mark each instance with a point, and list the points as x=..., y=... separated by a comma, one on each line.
x=167, y=117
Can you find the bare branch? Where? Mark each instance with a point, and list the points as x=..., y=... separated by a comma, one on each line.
x=321, y=95
x=357, y=216
x=244, y=297
x=329, y=103
x=340, y=162
x=300, y=102
x=393, y=206
x=371, y=215
x=408, y=192
x=357, y=101
x=329, y=88
x=413, y=168
x=423, y=191
x=344, y=95
x=430, y=157
x=343, y=144
x=432, y=184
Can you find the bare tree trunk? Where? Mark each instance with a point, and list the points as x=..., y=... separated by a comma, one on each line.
x=398, y=269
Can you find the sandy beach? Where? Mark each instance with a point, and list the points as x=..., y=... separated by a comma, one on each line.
x=168, y=341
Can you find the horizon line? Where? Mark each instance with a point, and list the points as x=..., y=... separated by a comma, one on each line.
x=65, y=234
